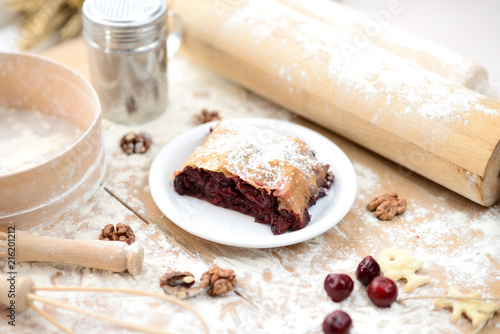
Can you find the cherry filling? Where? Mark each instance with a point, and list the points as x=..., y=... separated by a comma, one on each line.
x=236, y=194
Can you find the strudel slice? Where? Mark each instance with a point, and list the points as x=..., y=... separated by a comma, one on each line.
x=262, y=173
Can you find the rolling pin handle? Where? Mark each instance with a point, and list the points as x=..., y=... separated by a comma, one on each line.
x=14, y=292
x=135, y=258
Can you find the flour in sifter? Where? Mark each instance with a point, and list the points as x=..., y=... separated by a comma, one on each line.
x=29, y=138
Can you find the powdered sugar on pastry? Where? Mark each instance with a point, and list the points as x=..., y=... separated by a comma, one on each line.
x=260, y=157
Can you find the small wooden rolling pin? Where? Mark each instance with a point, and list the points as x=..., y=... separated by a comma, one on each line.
x=394, y=107
x=114, y=256
x=14, y=290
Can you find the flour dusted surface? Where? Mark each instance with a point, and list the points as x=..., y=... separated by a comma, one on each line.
x=283, y=286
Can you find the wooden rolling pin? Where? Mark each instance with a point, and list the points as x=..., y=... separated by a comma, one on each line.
x=114, y=256
x=376, y=28
x=441, y=130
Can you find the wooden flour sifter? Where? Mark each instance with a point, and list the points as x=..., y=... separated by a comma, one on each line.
x=390, y=105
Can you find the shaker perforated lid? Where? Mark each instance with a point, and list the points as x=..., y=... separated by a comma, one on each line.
x=113, y=23
x=126, y=13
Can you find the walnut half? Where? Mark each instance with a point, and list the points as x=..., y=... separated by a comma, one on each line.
x=123, y=233
x=206, y=116
x=178, y=284
x=387, y=206
x=218, y=280
x=135, y=143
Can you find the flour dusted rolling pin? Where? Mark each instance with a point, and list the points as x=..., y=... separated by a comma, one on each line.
x=439, y=129
x=376, y=29
x=114, y=256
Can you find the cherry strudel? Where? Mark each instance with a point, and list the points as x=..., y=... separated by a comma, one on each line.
x=268, y=175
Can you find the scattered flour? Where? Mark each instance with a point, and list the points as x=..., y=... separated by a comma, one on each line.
x=283, y=287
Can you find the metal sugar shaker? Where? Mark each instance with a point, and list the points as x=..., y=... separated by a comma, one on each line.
x=126, y=42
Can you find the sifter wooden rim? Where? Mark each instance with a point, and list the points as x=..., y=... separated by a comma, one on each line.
x=41, y=194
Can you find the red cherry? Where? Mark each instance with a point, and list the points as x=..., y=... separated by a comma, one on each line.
x=382, y=291
x=338, y=286
x=337, y=322
x=367, y=270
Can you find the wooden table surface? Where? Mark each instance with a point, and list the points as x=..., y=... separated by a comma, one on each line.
x=280, y=289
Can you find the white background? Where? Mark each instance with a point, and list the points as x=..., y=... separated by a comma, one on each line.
x=469, y=27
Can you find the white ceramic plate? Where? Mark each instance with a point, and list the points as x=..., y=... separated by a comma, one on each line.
x=228, y=227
